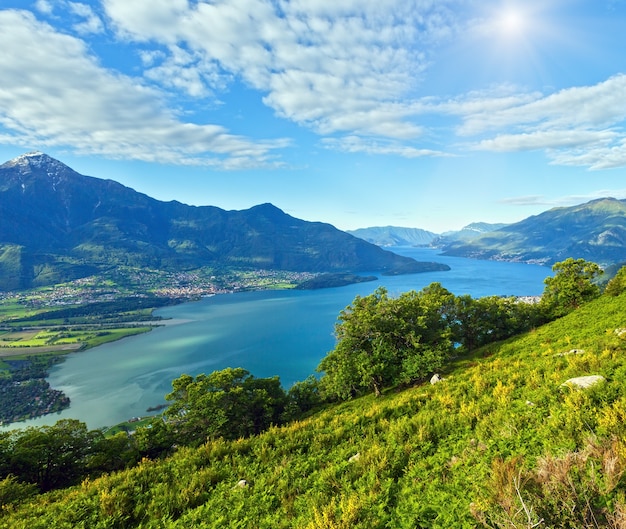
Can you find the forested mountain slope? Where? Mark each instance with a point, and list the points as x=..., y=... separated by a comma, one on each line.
x=595, y=231
x=502, y=441
x=56, y=225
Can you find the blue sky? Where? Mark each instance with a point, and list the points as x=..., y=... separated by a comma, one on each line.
x=419, y=113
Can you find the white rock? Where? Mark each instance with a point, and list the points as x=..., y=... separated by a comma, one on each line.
x=584, y=382
x=436, y=378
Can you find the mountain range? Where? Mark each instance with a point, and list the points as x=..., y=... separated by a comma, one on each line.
x=595, y=231
x=467, y=233
x=57, y=225
x=395, y=236
x=401, y=236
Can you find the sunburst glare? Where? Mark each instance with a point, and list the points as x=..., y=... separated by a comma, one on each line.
x=511, y=22
x=506, y=22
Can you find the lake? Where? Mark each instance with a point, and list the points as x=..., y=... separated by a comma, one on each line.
x=284, y=333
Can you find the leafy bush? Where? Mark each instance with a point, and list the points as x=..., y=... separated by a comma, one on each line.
x=571, y=286
x=13, y=491
x=229, y=403
x=617, y=284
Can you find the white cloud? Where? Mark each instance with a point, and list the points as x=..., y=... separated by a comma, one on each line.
x=605, y=157
x=90, y=23
x=348, y=68
x=527, y=200
x=546, y=139
x=182, y=70
x=55, y=94
x=599, y=105
x=331, y=66
x=150, y=57
x=355, y=144
x=351, y=67
x=582, y=126
x=44, y=6
x=564, y=201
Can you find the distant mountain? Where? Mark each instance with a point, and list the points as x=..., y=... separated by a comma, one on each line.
x=467, y=233
x=395, y=236
x=56, y=225
x=595, y=231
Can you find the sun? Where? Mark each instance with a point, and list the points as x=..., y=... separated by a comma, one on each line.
x=511, y=22
x=511, y=41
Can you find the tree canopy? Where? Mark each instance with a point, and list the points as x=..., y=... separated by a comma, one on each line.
x=477, y=322
x=383, y=341
x=230, y=403
x=617, y=284
x=570, y=287
x=50, y=456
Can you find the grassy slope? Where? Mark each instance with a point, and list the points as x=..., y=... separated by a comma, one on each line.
x=426, y=454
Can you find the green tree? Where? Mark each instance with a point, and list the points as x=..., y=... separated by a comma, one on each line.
x=303, y=396
x=478, y=322
x=426, y=318
x=363, y=357
x=617, y=284
x=155, y=439
x=570, y=287
x=52, y=456
x=112, y=453
x=229, y=403
x=383, y=341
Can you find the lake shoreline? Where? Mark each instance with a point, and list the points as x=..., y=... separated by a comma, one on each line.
x=281, y=332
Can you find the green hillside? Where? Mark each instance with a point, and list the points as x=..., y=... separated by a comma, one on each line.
x=500, y=442
x=595, y=231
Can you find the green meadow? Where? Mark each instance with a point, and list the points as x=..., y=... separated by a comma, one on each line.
x=500, y=442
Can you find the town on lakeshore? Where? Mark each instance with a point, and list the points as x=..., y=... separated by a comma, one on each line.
x=39, y=326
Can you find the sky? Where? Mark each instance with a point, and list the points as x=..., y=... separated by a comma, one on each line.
x=416, y=113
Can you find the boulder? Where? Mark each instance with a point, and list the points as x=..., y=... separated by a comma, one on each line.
x=436, y=378
x=584, y=382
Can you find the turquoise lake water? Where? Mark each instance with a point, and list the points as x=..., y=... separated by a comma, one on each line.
x=284, y=333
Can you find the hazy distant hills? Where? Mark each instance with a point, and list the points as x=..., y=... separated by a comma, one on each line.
x=468, y=233
x=398, y=236
x=595, y=231
x=56, y=224
x=395, y=236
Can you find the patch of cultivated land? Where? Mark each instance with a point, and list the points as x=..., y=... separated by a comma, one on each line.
x=52, y=340
x=26, y=351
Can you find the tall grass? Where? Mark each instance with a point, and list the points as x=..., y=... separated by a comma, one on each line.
x=499, y=443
